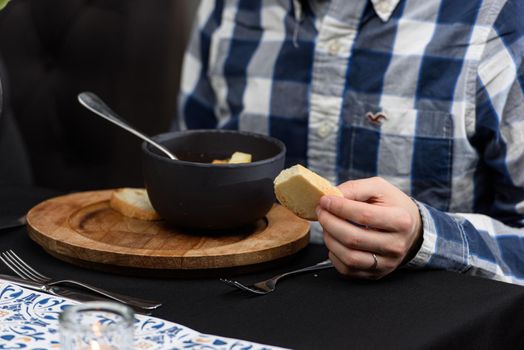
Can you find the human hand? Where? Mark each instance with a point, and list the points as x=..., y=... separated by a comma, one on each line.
x=374, y=217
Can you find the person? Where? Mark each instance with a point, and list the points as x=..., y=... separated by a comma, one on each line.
x=415, y=108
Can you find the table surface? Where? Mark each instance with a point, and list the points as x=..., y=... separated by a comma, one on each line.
x=321, y=310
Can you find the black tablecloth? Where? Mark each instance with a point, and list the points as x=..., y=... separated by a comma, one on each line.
x=322, y=310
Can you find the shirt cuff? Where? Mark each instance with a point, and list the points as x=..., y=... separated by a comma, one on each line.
x=444, y=244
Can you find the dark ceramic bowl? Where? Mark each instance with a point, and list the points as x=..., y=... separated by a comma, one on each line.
x=192, y=193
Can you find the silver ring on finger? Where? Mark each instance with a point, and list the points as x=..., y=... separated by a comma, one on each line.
x=375, y=262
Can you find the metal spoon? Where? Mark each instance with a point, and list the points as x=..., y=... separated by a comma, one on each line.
x=97, y=106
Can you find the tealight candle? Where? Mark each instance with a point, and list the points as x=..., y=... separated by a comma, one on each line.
x=97, y=326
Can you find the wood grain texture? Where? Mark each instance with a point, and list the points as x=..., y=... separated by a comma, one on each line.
x=82, y=227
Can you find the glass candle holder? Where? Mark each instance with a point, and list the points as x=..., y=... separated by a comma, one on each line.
x=97, y=326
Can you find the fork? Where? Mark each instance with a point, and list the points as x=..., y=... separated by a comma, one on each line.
x=269, y=285
x=22, y=269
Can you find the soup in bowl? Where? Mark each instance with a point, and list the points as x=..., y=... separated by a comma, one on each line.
x=192, y=192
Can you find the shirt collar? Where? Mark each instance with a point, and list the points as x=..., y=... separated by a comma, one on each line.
x=384, y=8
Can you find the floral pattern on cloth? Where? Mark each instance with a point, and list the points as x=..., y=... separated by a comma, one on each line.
x=29, y=320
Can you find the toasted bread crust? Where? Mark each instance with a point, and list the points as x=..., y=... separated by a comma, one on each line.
x=299, y=189
x=134, y=203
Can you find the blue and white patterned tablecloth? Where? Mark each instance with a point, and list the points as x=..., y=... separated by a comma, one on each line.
x=29, y=320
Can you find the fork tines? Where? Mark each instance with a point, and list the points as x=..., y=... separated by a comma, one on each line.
x=242, y=286
x=20, y=267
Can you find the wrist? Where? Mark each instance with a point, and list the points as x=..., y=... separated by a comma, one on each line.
x=417, y=233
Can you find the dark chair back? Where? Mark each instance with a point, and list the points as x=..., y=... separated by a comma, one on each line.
x=126, y=51
x=15, y=168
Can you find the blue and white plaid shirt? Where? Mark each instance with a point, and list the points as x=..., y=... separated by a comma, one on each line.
x=426, y=94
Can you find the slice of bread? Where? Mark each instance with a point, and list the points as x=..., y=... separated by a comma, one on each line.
x=236, y=158
x=299, y=189
x=134, y=203
x=240, y=157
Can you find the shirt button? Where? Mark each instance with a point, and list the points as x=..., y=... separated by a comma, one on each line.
x=383, y=6
x=324, y=130
x=334, y=47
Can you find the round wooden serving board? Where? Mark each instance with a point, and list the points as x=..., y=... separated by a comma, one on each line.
x=83, y=229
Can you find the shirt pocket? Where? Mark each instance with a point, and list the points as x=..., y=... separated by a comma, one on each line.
x=412, y=149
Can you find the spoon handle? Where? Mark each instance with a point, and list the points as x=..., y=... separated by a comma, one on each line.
x=97, y=106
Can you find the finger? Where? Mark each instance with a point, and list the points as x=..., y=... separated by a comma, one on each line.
x=363, y=190
x=359, y=238
x=391, y=219
x=351, y=258
x=349, y=272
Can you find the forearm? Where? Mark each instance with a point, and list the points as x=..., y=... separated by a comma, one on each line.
x=470, y=243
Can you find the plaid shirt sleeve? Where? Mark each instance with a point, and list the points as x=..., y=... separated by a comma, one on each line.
x=492, y=244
